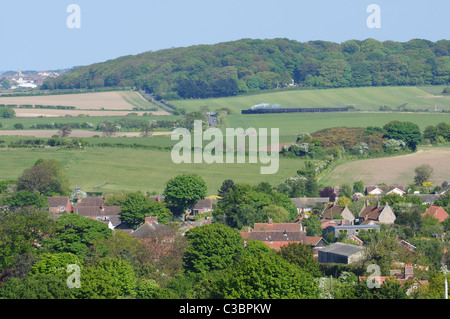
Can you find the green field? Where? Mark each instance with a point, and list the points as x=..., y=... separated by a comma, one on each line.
x=114, y=170
x=364, y=99
x=291, y=125
x=107, y=169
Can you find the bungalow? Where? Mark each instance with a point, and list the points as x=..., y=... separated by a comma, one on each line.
x=332, y=210
x=437, y=212
x=58, y=205
x=399, y=190
x=370, y=215
x=385, y=190
x=374, y=190
x=203, y=206
x=341, y=253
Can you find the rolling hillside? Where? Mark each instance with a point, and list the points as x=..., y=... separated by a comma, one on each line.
x=250, y=65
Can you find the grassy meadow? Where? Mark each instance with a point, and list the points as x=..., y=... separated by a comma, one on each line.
x=114, y=169
x=363, y=99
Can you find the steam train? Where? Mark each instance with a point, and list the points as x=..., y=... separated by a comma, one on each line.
x=295, y=110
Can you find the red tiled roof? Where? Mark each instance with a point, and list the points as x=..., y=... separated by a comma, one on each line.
x=91, y=201
x=312, y=240
x=332, y=211
x=437, y=212
x=58, y=201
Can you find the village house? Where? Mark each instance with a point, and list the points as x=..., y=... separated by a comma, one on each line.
x=157, y=238
x=277, y=235
x=94, y=208
x=59, y=205
x=154, y=231
x=201, y=207
x=437, y=212
x=371, y=215
x=332, y=211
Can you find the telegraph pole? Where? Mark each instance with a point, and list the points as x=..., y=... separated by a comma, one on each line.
x=445, y=272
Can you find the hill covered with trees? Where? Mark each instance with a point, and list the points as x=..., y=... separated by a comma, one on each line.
x=248, y=65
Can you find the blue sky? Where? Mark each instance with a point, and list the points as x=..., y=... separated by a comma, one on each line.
x=34, y=34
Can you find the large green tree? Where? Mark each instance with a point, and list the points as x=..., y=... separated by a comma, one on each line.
x=184, y=191
x=108, y=278
x=76, y=234
x=46, y=177
x=136, y=206
x=266, y=277
x=406, y=131
x=20, y=231
x=302, y=256
x=212, y=247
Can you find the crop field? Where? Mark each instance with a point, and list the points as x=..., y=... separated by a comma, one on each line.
x=397, y=170
x=126, y=100
x=114, y=170
x=364, y=99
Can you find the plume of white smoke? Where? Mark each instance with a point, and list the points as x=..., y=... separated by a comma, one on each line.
x=264, y=106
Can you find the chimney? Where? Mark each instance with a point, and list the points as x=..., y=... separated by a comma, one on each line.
x=151, y=220
x=409, y=271
x=270, y=221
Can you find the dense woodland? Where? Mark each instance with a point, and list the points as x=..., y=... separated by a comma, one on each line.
x=249, y=65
